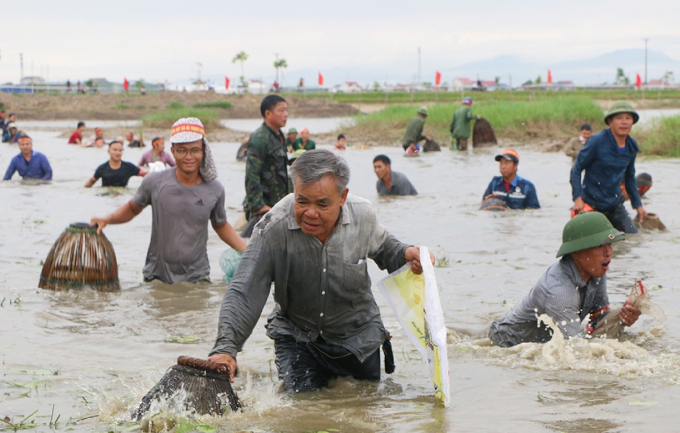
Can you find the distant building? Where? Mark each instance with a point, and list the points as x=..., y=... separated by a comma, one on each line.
x=346, y=87
x=32, y=81
x=459, y=84
x=557, y=85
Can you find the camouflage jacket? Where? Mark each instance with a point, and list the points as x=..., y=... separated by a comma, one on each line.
x=414, y=131
x=266, y=170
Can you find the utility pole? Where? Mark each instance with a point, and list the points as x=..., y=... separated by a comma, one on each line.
x=646, y=39
x=21, y=61
x=419, y=80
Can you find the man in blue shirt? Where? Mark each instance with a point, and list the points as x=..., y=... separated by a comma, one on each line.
x=515, y=191
x=608, y=158
x=29, y=164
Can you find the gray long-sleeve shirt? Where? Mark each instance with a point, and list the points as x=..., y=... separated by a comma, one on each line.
x=321, y=289
x=561, y=294
x=400, y=185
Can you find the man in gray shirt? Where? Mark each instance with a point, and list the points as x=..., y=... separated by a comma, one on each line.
x=571, y=290
x=183, y=199
x=390, y=182
x=314, y=245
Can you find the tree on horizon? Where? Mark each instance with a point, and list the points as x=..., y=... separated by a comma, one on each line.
x=240, y=57
x=279, y=64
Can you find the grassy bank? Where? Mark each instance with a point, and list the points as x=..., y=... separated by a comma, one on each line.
x=663, y=138
x=659, y=98
x=519, y=120
x=175, y=110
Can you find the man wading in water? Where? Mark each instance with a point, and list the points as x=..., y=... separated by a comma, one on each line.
x=571, y=290
x=314, y=245
x=182, y=200
x=608, y=158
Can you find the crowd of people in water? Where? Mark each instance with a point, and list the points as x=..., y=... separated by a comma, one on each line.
x=311, y=238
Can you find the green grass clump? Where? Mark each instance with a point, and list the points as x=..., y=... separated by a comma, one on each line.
x=663, y=138
x=176, y=105
x=516, y=120
x=214, y=104
x=165, y=118
x=122, y=106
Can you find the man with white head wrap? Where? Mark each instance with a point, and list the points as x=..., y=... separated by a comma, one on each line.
x=183, y=200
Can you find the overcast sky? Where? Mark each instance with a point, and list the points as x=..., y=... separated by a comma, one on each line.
x=356, y=40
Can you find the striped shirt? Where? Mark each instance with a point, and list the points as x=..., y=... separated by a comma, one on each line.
x=561, y=294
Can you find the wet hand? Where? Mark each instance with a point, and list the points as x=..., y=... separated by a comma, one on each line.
x=412, y=254
x=264, y=208
x=98, y=222
x=579, y=204
x=629, y=314
x=642, y=213
x=226, y=359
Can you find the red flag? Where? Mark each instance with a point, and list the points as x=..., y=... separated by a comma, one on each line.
x=126, y=84
x=226, y=82
x=438, y=78
x=320, y=79
x=549, y=76
x=638, y=81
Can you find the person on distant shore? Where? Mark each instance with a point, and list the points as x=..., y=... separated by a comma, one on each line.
x=414, y=131
x=304, y=142
x=460, y=125
x=341, y=142
x=115, y=172
x=391, y=182
x=608, y=159
x=157, y=153
x=132, y=140
x=267, y=161
x=574, y=146
x=290, y=139
x=183, y=200
x=97, y=140
x=29, y=164
x=515, y=191
x=77, y=136
x=12, y=134
x=571, y=290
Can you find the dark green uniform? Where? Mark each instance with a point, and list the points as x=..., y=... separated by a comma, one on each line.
x=289, y=144
x=297, y=144
x=414, y=132
x=460, y=126
x=266, y=170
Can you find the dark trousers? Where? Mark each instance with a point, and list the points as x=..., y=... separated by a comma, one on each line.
x=620, y=219
x=310, y=366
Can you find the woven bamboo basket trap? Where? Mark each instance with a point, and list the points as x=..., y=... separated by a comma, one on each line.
x=81, y=257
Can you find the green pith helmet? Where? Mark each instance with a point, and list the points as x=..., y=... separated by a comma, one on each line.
x=292, y=131
x=621, y=107
x=588, y=230
x=423, y=111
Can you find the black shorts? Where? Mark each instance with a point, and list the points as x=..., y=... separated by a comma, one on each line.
x=311, y=366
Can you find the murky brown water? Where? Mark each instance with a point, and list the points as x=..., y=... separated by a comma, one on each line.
x=91, y=356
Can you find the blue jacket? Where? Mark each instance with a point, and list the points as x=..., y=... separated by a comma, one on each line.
x=37, y=168
x=606, y=169
x=522, y=192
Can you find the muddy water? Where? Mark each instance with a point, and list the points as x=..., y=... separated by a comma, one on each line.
x=91, y=356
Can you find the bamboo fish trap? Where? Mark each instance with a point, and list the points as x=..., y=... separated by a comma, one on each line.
x=206, y=384
x=80, y=257
x=482, y=134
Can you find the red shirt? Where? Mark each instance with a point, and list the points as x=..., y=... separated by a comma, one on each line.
x=75, y=136
x=506, y=185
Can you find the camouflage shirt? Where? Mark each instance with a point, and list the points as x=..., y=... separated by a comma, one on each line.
x=266, y=170
x=414, y=131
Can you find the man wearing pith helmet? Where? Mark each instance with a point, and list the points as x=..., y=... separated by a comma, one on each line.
x=572, y=290
x=414, y=130
x=608, y=159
